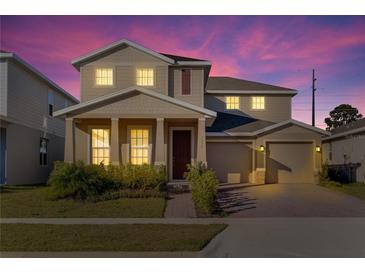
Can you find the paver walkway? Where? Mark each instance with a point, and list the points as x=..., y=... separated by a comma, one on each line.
x=180, y=205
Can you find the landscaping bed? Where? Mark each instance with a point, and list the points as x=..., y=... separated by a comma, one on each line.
x=119, y=237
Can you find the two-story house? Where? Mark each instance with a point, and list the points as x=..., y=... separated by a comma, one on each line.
x=142, y=106
x=30, y=138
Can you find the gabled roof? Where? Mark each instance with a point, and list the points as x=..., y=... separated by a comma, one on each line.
x=169, y=58
x=270, y=128
x=125, y=91
x=10, y=55
x=232, y=85
x=346, y=130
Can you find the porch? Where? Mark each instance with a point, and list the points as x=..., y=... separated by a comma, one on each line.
x=173, y=142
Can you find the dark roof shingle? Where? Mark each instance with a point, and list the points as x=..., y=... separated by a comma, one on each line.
x=230, y=83
x=353, y=125
x=225, y=121
x=178, y=58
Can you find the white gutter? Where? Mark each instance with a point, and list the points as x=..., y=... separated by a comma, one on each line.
x=283, y=92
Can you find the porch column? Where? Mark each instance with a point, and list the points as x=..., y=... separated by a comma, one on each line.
x=160, y=142
x=69, y=140
x=114, y=144
x=201, y=154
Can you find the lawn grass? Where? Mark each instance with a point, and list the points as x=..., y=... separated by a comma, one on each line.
x=118, y=237
x=354, y=189
x=32, y=202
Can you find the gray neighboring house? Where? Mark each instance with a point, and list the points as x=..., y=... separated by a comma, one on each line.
x=347, y=145
x=142, y=106
x=31, y=139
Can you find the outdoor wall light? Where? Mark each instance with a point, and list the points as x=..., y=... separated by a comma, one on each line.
x=262, y=148
x=318, y=149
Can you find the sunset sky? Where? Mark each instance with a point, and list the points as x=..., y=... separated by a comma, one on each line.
x=279, y=50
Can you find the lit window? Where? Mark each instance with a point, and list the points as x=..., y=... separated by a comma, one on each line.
x=232, y=102
x=258, y=102
x=139, y=146
x=104, y=76
x=50, y=103
x=144, y=77
x=43, y=152
x=100, y=147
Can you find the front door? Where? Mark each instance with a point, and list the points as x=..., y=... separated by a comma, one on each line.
x=181, y=153
x=2, y=155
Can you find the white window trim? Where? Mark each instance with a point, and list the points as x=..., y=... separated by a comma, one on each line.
x=150, y=145
x=191, y=83
x=90, y=143
x=239, y=103
x=145, y=67
x=192, y=149
x=113, y=73
x=258, y=109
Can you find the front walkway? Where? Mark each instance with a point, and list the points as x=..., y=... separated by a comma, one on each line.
x=180, y=205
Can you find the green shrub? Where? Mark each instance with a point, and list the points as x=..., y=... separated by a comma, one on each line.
x=79, y=181
x=204, y=187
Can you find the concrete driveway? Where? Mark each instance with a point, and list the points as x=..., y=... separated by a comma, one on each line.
x=288, y=200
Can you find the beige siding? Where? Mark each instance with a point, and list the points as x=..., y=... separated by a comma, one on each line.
x=125, y=61
x=23, y=155
x=28, y=101
x=139, y=105
x=354, y=149
x=277, y=108
x=233, y=169
x=197, y=86
x=3, y=87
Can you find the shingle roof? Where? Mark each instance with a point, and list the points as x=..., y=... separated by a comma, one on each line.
x=353, y=125
x=225, y=121
x=178, y=58
x=229, y=83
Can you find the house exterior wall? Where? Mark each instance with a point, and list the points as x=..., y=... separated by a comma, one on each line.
x=196, y=83
x=124, y=62
x=28, y=101
x=352, y=146
x=23, y=155
x=3, y=87
x=138, y=106
x=277, y=107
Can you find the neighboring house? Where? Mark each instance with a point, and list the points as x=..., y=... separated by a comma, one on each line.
x=31, y=139
x=347, y=145
x=141, y=106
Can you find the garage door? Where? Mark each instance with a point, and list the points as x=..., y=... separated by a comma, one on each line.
x=289, y=163
x=232, y=162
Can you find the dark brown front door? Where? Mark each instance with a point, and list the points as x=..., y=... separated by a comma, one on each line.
x=181, y=152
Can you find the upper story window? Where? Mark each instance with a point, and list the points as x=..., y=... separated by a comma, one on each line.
x=100, y=146
x=50, y=103
x=185, y=82
x=258, y=102
x=145, y=77
x=104, y=77
x=232, y=102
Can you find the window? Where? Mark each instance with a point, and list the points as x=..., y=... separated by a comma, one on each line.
x=232, y=102
x=258, y=102
x=139, y=146
x=100, y=147
x=43, y=152
x=145, y=77
x=50, y=103
x=185, y=82
x=104, y=76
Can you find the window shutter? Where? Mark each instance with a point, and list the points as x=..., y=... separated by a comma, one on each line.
x=185, y=75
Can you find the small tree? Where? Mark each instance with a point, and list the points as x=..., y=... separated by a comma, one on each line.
x=342, y=115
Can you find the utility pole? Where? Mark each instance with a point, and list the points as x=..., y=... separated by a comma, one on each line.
x=313, y=99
